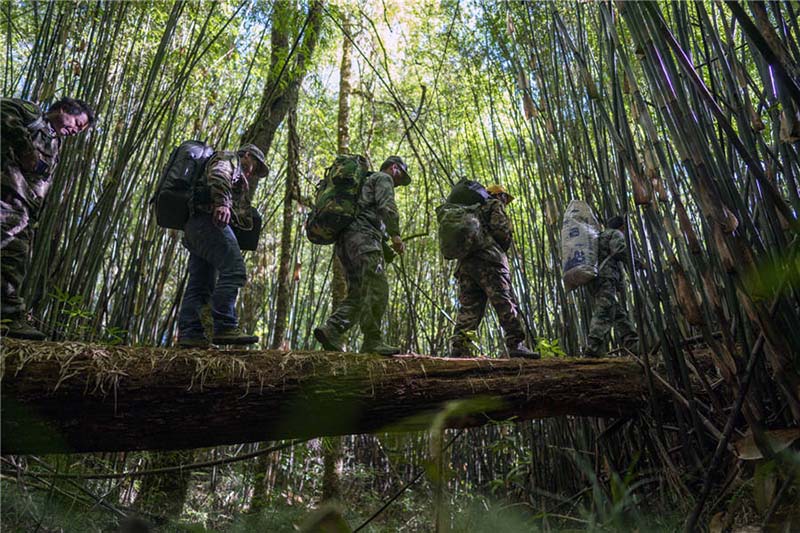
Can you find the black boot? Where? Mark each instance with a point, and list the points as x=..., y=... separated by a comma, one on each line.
x=520, y=351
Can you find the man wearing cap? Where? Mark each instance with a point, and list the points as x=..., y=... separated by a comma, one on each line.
x=221, y=199
x=606, y=290
x=360, y=250
x=484, y=276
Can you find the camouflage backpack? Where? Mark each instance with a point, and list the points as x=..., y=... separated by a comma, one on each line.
x=336, y=198
x=177, y=183
x=460, y=230
x=20, y=111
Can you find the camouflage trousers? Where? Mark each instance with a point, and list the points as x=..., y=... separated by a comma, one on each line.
x=608, y=312
x=367, y=293
x=15, y=244
x=480, y=282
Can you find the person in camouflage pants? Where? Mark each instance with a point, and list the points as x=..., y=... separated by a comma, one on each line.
x=606, y=290
x=220, y=201
x=30, y=141
x=360, y=250
x=484, y=276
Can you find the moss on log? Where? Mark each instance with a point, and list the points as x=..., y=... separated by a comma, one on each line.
x=75, y=397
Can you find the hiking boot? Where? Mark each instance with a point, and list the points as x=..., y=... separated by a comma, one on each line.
x=590, y=353
x=20, y=328
x=459, y=349
x=380, y=348
x=520, y=351
x=328, y=338
x=199, y=343
x=631, y=343
x=233, y=336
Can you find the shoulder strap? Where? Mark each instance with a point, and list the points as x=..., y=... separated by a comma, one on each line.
x=603, y=263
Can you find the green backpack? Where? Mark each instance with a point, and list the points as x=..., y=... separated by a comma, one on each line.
x=461, y=230
x=22, y=111
x=336, y=198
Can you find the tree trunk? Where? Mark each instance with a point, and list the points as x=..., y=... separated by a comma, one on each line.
x=280, y=96
x=74, y=397
x=332, y=467
x=339, y=283
x=345, y=73
x=164, y=495
x=332, y=463
x=287, y=69
x=284, y=266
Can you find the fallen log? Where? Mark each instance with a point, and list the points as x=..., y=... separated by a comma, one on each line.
x=74, y=397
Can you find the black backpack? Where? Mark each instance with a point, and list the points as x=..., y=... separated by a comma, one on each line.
x=468, y=192
x=177, y=184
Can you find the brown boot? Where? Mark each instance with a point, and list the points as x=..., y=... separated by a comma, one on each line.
x=233, y=336
x=329, y=338
x=379, y=347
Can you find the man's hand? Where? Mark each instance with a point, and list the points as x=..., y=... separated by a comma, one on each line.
x=397, y=245
x=222, y=216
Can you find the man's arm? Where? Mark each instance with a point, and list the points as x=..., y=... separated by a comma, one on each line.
x=385, y=204
x=617, y=249
x=219, y=175
x=499, y=225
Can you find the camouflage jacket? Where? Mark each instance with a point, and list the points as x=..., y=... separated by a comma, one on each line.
x=377, y=214
x=224, y=184
x=611, y=245
x=29, y=150
x=497, y=225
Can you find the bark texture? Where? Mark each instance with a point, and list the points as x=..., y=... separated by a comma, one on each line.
x=75, y=397
x=284, y=267
x=288, y=66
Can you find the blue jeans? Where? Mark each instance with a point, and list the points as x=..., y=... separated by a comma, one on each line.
x=216, y=273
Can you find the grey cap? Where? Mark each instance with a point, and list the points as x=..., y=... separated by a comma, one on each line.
x=256, y=154
x=405, y=179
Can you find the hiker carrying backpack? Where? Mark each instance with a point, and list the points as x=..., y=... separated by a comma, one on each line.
x=176, y=186
x=460, y=227
x=336, y=198
x=579, y=238
x=181, y=185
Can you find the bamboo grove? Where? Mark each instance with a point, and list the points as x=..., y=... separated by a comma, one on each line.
x=685, y=116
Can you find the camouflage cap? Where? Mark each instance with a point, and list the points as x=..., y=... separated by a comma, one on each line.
x=256, y=153
x=405, y=179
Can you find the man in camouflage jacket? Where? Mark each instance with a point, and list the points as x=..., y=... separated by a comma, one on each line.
x=30, y=142
x=483, y=277
x=221, y=200
x=606, y=291
x=360, y=250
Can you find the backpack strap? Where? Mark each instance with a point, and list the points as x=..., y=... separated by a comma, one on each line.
x=602, y=264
